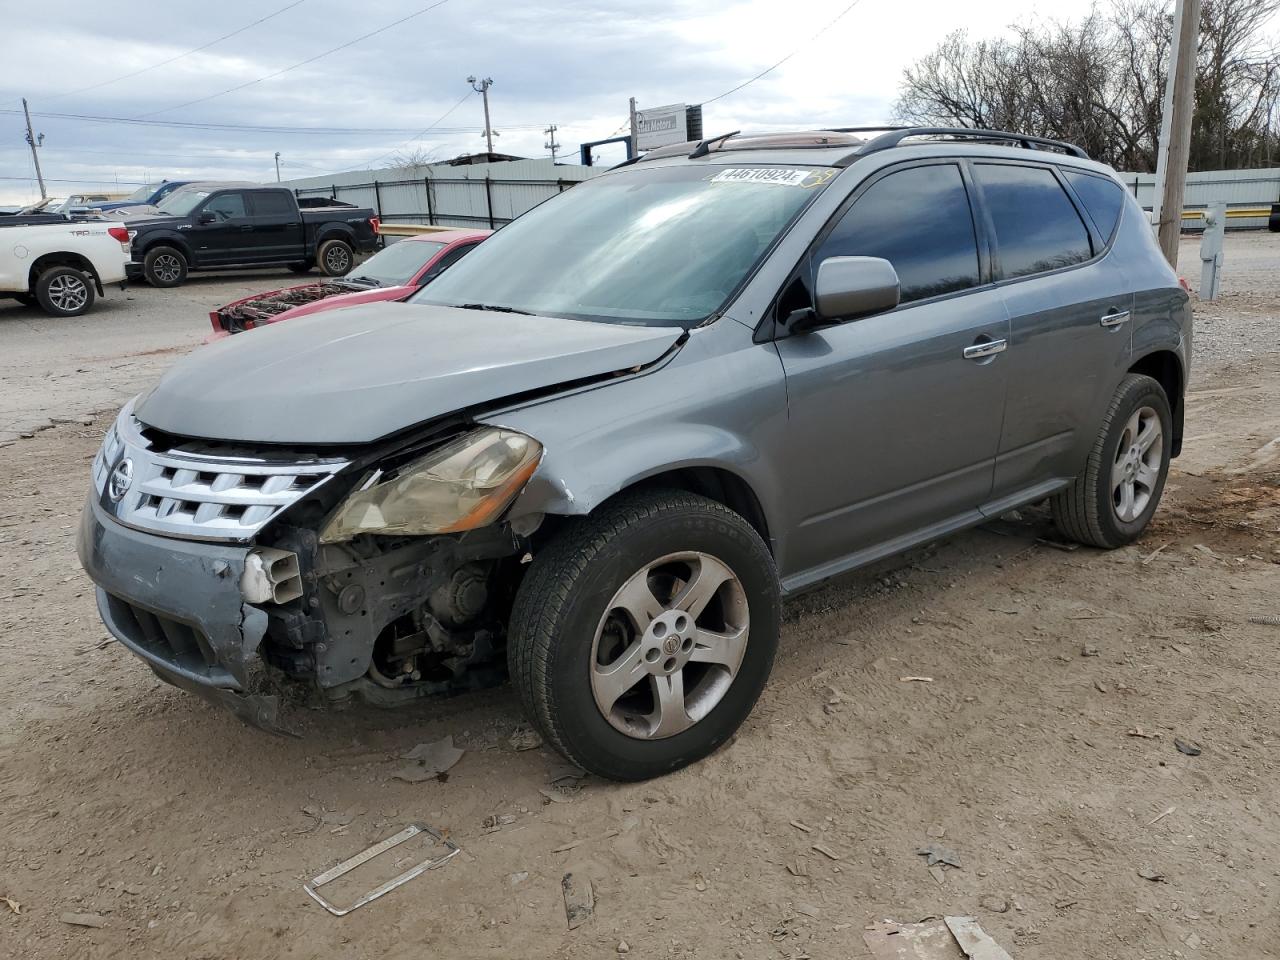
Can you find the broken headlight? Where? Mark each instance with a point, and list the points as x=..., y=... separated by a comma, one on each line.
x=465, y=484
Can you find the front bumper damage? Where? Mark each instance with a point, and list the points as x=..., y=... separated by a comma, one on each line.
x=176, y=604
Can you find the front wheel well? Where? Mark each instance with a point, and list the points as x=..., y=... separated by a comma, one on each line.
x=1165, y=368
x=714, y=483
x=62, y=259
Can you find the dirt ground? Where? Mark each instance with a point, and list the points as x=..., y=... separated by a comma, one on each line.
x=1041, y=752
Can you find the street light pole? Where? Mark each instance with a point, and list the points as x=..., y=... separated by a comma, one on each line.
x=482, y=87
x=277, y=166
x=34, y=142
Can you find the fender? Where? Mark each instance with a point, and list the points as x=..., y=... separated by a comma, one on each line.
x=167, y=238
x=334, y=230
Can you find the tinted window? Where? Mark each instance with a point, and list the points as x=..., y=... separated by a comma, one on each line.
x=1102, y=198
x=1037, y=227
x=272, y=203
x=919, y=220
x=226, y=206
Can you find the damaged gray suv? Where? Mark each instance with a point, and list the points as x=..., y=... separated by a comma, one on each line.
x=598, y=451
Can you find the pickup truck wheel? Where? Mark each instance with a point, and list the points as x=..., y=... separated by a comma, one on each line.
x=335, y=257
x=305, y=266
x=1112, y=501
x=64, y=291
x=642, y=635
x=164, y=267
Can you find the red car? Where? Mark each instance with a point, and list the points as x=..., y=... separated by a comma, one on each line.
x=390, y=274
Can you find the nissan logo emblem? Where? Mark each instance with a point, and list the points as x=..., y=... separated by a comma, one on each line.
x=121, y=480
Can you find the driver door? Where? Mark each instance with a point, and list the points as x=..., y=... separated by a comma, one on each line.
x=894, y=419
x=228, y=236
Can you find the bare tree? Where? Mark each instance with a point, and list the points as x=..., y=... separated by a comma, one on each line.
x=419, y=156
x=1099, y=82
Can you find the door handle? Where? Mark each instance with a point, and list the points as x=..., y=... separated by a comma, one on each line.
x=987, y=348
x=1114, y=318
x=246, y=227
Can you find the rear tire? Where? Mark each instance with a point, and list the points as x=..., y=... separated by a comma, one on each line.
x=693, y=665
x=164, y=267
x=1111, y=502
x=64, y=291
x=335, y=257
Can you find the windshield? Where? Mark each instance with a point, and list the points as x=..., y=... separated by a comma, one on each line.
x=398, y=263
x=660, y=246
x=182, y=202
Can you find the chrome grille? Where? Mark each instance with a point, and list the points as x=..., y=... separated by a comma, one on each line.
x=197, y=493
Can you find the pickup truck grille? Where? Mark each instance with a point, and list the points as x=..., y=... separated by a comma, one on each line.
x=198, y=491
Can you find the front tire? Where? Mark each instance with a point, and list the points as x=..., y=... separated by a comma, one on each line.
x=335, y=257
x=64, y=291
x=642, y=635
x=1113, y=500
x=164, y=267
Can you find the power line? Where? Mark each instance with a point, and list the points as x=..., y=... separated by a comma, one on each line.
x=199, y=125
x=300, y=63
x=129, y=183
x=768, y=70
x=165, y=63
x=419, y=134
x=763, y=73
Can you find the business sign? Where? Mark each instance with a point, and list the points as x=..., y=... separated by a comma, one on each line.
x=659, y=126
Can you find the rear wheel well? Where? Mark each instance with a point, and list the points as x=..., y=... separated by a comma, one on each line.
x=1164, y=367
x=714, y=483
x=336, y=233
x=63, y=259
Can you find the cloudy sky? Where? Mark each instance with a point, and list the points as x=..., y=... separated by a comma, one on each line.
x=183, y=102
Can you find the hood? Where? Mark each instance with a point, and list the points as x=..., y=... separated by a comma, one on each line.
x=354, y=298
x=355, y=375
x=147, y=217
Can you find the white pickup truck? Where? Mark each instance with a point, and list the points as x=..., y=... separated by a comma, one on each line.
x=61, y=264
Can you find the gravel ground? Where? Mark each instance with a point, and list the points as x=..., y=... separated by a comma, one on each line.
x=1243, y=321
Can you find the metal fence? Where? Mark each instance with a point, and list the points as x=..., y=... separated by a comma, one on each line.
x=1238, y=189
x=471, y=202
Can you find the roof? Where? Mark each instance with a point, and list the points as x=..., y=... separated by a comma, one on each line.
x=842, y=146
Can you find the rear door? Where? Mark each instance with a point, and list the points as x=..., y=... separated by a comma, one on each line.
x=277, y=226
x=1069, y=306
x=227, y=236
x=894, y=419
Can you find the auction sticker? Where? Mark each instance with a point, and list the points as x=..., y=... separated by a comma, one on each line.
x=782, y=176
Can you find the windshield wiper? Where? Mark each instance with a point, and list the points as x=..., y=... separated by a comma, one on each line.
x=497, y=308
x=369, y=280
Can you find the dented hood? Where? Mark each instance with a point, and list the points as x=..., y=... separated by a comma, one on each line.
x=354, y=375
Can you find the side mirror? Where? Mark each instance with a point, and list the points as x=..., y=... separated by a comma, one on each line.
x=847, y=288
x=208, y=216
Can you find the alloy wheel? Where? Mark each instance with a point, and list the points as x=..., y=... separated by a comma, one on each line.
x=68, y=293
x=1136, y=470
x=167, y=267
x=669, y=645
x=336, y=259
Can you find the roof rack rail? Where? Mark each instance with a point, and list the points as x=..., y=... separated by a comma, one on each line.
x=704, y=146
x=895, y=136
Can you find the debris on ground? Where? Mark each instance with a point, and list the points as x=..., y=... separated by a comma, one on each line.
x=525, y=738
x=951, y=938
x=566, y=775
x=1089, y=650
x=623, y=947
x=1144, y=734
x=496, y=821
x=800, y=825
x=1148, y=873
x=312, y=886
x=579, y=899
x=826, y=851
x=1153, y=554
x=97, y=921
x=1162, y=816
x=13, y=905
x=1189, y=747
x=936, y=853
x=1266, y=621
x=994, y=904
x=916, y=679
x=430, y=760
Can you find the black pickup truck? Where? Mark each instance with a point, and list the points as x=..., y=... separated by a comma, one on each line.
x=213, y=226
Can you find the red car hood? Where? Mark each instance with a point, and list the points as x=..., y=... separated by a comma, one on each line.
x=375, y=295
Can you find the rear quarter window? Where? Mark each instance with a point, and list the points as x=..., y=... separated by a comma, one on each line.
x=1036, y=225
x=1103, y=200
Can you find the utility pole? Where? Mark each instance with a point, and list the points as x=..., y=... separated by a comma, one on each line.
x=551, y=143
x=277, y=166
x=482, y=87
x=34, y=142
x=635, y=132
x=1174, y=150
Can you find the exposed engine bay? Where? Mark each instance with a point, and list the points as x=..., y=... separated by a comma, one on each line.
x=247, y=314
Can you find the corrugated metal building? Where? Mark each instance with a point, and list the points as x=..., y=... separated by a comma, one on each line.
x=1236, y=188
